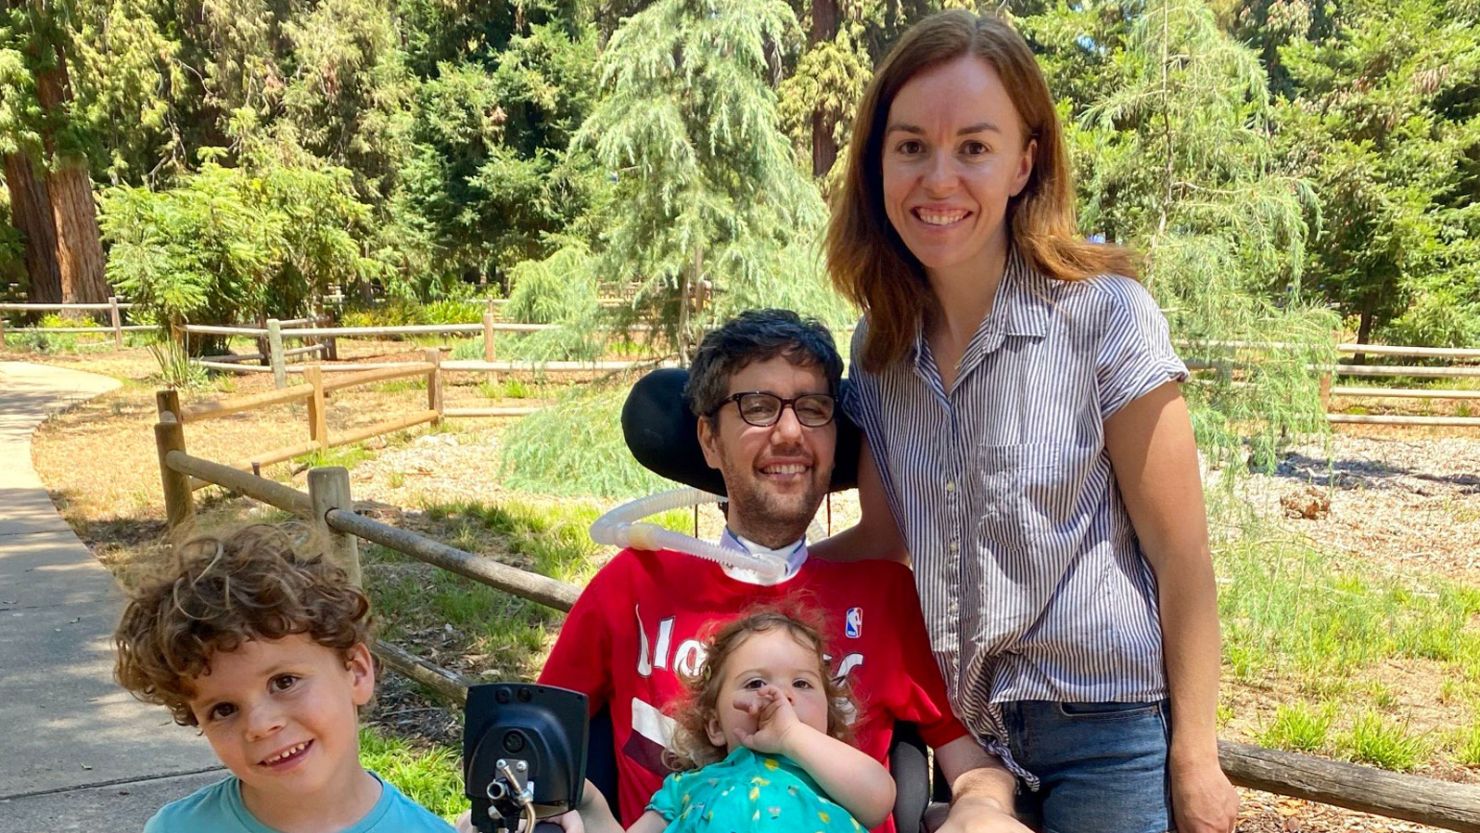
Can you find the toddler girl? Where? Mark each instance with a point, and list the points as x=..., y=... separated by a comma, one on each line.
x=762, y=741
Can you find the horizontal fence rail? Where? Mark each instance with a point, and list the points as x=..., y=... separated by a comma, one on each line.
x=113, y=307
x=532, y=586
x=64, y=307
x=1365, y=789
x=1404, y=393
x=1229, y=368
x=314, y=391
x=272, y=352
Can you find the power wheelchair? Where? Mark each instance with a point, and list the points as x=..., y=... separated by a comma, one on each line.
x=546, y=731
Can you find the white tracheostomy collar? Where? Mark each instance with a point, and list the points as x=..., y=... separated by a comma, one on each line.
x=794, y=554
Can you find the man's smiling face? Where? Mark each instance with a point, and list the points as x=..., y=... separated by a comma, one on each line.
x=776, y=476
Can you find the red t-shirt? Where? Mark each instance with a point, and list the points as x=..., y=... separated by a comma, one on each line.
x=643, y=616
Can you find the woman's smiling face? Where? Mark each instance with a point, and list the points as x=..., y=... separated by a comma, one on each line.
x=953, y=154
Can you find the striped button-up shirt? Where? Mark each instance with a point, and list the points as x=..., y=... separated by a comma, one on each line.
x=1030, y=576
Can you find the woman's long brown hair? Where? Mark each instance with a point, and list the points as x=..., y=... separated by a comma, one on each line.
x=868, y=261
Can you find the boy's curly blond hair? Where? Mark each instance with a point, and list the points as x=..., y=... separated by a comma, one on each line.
x=249, y=585
x=691, y=747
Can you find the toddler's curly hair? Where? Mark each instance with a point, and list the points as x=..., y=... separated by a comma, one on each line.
x=691, y=747
x=249, y=585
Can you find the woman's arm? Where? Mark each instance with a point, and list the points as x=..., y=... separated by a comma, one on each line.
x=1154, y=457
x=875, y=535
x=982, y=790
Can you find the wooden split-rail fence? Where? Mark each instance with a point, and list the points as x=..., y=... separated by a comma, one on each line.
x=276, y=356
x=329, y=508
x=314, y=391
x=1335, y=379
x=115, y=326
x=1464, y=364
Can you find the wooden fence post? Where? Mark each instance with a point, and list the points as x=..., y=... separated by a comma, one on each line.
x=1326, y=391
x=488, y=335
x=318, y=424
x=275, y=353
x=2, y=329
x=167, y=401
x=328, y=488
x=117, y=318
x=434, y=383
x=169, y=435
x=266, y=360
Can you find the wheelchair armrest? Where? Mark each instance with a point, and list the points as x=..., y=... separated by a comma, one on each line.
x=910, y=767
x=601, y=757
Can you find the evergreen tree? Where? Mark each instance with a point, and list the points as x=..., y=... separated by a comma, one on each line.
x=1387, y=126
x=1177, y=162
x=46, y=166
x=707, y=190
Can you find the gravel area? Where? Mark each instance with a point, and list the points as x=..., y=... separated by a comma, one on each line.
x=1402, y=505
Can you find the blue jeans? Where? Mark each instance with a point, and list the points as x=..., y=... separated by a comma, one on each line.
x=1102, y=766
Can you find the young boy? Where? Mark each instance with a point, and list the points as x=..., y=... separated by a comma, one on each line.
x=266, y=651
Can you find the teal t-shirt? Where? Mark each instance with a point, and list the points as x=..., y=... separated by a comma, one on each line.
x=749, y=792
x=219, y=809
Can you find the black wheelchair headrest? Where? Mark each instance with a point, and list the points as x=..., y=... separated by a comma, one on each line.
x=662, y=434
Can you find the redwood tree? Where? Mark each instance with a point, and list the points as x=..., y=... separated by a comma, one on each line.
x=34, y=125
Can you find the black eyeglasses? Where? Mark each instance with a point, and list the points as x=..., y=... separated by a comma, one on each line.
x=763, y=410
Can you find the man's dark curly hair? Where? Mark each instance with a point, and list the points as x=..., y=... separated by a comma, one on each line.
x=250, y=585
x=756, y=336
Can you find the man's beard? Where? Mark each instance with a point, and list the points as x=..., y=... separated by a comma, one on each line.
x=771, y=519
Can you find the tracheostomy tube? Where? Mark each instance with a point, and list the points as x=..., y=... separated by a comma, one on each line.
x=623, y=527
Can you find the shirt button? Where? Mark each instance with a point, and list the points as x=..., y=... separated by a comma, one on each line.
x=950, y=485
x=954, y=547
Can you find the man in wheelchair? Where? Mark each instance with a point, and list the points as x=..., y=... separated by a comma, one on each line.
x=764, y=388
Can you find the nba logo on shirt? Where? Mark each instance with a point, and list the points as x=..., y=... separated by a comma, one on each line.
x=853, y=623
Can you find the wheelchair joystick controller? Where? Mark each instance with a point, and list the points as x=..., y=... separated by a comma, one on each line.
x=524, y=755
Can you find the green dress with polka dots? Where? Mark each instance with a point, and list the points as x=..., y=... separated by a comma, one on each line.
x=748, y=792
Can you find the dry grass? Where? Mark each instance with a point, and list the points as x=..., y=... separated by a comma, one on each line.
x=100, y=464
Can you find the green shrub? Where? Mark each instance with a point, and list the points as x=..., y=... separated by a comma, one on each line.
x=575, y=447
x=1467, y=746
x=1298, y=728
x=1373, y=740
x=231, y=244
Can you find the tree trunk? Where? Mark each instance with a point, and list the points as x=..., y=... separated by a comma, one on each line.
x=1364, y=332
x=824, y=147
x=79, y=245
x=31, y=213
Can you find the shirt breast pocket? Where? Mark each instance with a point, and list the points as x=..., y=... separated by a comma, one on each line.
x=1024, y=496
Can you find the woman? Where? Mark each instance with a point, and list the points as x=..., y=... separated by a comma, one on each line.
x=1027, y=443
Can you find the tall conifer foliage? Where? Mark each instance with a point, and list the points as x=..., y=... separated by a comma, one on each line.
x=707, y=190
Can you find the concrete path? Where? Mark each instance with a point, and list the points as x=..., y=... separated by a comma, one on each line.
x=76, y=751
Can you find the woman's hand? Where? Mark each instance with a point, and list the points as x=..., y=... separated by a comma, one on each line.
x=1203, y=799
x=776, y=721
